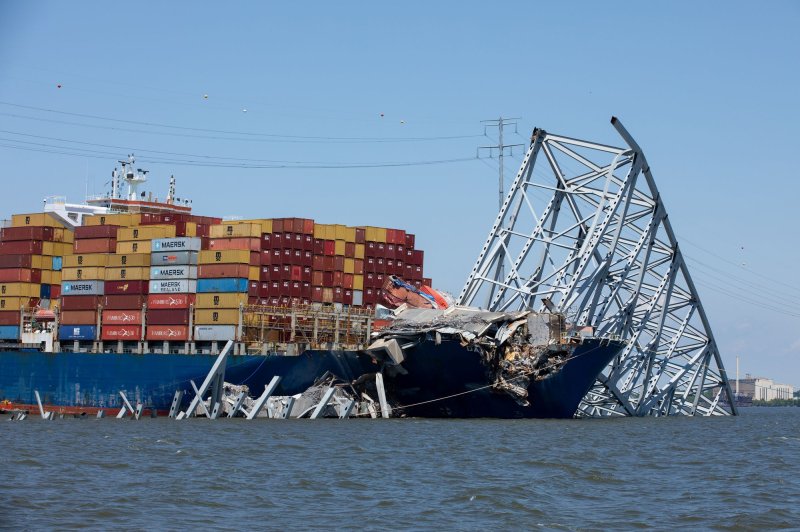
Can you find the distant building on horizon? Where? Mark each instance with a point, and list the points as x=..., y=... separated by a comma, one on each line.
x=761, y=389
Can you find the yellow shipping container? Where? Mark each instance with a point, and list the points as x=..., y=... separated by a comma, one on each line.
x=35, y=220
x=55, y=277
x=235, y=230
x=56, y=249
x=321, y=231
x=87, y=259
x=220, y=300
x=47, y=277
x=222, y=316
x=253, y=273
x=124, y=220
x=127, y=273
x=339, y=247
x=131, y=260
x=125, y=248
x=264, y=223
x=19, y=290
x=191, y=229
x=228, y=256
x=14, y=303
x=375, y=234
x=83, y=273
x=349, y=265
x=341, y=232
x=145, y=232
x=358, y=282
x=63, y=235
x=360, y=251
x=330, y=232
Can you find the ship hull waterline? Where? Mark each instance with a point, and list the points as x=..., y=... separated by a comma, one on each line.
x=442, y=381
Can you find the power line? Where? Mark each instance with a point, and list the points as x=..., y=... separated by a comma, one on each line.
x=272, y=136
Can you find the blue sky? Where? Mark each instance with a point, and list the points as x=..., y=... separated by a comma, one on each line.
x=708, y=89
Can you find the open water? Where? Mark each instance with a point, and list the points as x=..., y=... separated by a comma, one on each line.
x=688, y=473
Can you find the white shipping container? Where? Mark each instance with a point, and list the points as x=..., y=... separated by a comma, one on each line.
x=186, y=243
x=211, y=333
x=82, y=288
x=173, y=286
x=173, y=272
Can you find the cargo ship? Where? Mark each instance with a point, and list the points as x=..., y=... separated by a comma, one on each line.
x=129, y=293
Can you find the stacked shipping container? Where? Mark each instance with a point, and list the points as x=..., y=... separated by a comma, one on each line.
x=31, y=253
x=173, y=284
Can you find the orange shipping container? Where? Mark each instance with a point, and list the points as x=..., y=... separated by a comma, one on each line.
x=253, y=244
x=78, y=317
x=121, y=332
x=172, y=333
x=95, y=245
x=122, y=317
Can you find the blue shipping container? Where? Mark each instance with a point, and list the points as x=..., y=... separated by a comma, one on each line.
x=57, y=263
x=225, y=284
x=44, y=291
x=77, y=332
x=9, y=332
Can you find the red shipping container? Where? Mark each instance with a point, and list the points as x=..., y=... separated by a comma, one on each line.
x=369, y=280
x=220, y=244
x=78, y=317
x=264, y=273
x=308, y=258
x=319, y=246
x=427, y=281
x=329, y=247
x=171, y=333
x=277, y=225
x=297, y=273
x=380, y=250
x=347, y=298
x=266, y=241
x=9, y=234
x=96, y=231
x=21, y=247
x=360, y=235
x=80, y=302
x=275, y=274
x=308, y=243
x=299, y=241
x=122, y=302
x=121, y=332
x=358, y=267
x=122, y=317
x=9, y=317
x=216, y=271
x=327, y=279
x=15, y=261
x=95, y=245
x=371, y=249
x=286, y=256
x=318, y=262
x=329, y=264
x=172, y=316
x=338, y=278
x=347, y=281
x=349, y=250
x=170, y=301
x=417, y=260
x=126, y=287
x=391, y=249
x=338, y=263
x=288, y=239
x=276, y=242
x=55, y=291
x=400, y=252
x=409, y=256
x=296, y=289
x=306, y=291
x=308, y=226
x=316, y=278
x=20, y=275
x=316, y=294
x=255, y=258
x=266, y=256
x=252, y=288
x=306, y=274
x=409, y=241
x=338, y=294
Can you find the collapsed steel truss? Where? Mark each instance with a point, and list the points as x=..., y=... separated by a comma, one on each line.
x=585, y=233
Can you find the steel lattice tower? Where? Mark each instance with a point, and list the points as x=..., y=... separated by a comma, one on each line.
x=585, y=232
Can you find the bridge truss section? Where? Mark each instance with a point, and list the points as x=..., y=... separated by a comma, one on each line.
x=584, y=231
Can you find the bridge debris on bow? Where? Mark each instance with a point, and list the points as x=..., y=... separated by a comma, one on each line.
x=583, y=231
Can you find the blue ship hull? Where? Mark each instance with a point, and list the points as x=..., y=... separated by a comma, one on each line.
x=91, y=381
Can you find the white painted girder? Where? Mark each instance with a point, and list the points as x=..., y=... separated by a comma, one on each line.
x=602, y=249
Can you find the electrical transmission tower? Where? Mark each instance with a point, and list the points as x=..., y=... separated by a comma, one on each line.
x=602, y=251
